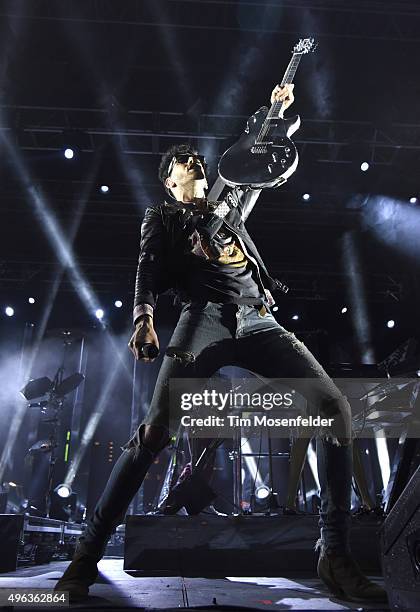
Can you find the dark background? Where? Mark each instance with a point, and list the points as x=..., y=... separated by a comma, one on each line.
x=122, y=81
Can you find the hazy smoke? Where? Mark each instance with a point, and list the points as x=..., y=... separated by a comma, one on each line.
x=394, y=223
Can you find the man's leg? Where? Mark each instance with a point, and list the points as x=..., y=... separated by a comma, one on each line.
x=336, y=567
x=335, y=468
x=278, y=352
x=199, y=346
x=274, y=352
x=125, y=480
x=123, y=483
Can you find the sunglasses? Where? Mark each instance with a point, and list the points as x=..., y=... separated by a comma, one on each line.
x=183, y=159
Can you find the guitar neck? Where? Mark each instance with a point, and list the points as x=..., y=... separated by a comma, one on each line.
x=288, y=77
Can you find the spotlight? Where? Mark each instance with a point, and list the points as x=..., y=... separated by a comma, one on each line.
x=418, y=373
x=31, y=300
x=295, y=317
x=104, y=188
x=390, y=324
x=63, y=490
x=36, y=388
x=117, y=303
x=262, y=492
x=275, y=308
x=99, y=313
x=413, y=200
x=306, y=197
x=344, y=310
x=68, y=153
x=364, y=166
x=9, y=311
x=69, y=384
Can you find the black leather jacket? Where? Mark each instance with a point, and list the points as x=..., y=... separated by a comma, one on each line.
x=165, y=232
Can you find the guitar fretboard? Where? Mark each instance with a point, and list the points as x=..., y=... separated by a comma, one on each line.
x=288, y=77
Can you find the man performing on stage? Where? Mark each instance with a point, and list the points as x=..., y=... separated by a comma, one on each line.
x=212, y=263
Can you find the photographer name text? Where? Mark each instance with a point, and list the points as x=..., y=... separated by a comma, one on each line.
x=254, y=420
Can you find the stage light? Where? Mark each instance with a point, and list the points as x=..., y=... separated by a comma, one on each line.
x=36, y=388
x=69, y=384
x=95, y=417
x=383, y=457
x=12, y=484
x=295, y=317
x=418, y=373
x=63, y=490
x=104, y=188
x=251, y=463
x=364, y=166
x=344, y=310
x=357, y=296
x=275, y=308
x=367, y=451
x=390, y=324
x=413, y=200
x=68, y=153
x=99, y=313
x=31, y=300
x=262, y=492
x=62, y=245
x=306, y=197
x=313, y=463
x=9, y=311
x=117, y=303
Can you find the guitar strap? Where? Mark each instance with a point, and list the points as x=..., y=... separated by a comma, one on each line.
x=223, y=208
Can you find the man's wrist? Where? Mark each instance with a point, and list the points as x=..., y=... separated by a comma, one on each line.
x=143, y=312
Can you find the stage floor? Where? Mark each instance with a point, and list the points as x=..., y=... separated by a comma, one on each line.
x=116, y=589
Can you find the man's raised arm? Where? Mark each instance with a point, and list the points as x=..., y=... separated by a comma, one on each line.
x=246, y=196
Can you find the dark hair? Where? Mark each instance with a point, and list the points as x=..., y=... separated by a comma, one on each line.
x=180, y=149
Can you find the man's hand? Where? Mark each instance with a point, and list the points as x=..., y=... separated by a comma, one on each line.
x=283, y=94
x=143, y=334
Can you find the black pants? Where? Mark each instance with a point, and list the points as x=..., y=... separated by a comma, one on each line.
x=207, y=337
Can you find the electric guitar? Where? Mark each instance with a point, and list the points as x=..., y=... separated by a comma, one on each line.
x=265, y=156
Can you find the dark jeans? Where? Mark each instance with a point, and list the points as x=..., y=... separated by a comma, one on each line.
x=207, y=337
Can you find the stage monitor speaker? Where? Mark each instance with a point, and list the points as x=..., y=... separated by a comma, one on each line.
x=206, y=544
x=11, y=530
x=400, y=542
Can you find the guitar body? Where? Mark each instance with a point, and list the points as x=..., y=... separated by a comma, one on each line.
x=264, y=156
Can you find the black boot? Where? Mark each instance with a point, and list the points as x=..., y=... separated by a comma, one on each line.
x=125, y=479
x=79, y=576
x=345, y=579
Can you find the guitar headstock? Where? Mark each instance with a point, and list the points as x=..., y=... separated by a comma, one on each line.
x=305, y=45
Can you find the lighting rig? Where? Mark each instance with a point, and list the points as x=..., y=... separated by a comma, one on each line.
x=54, y=393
